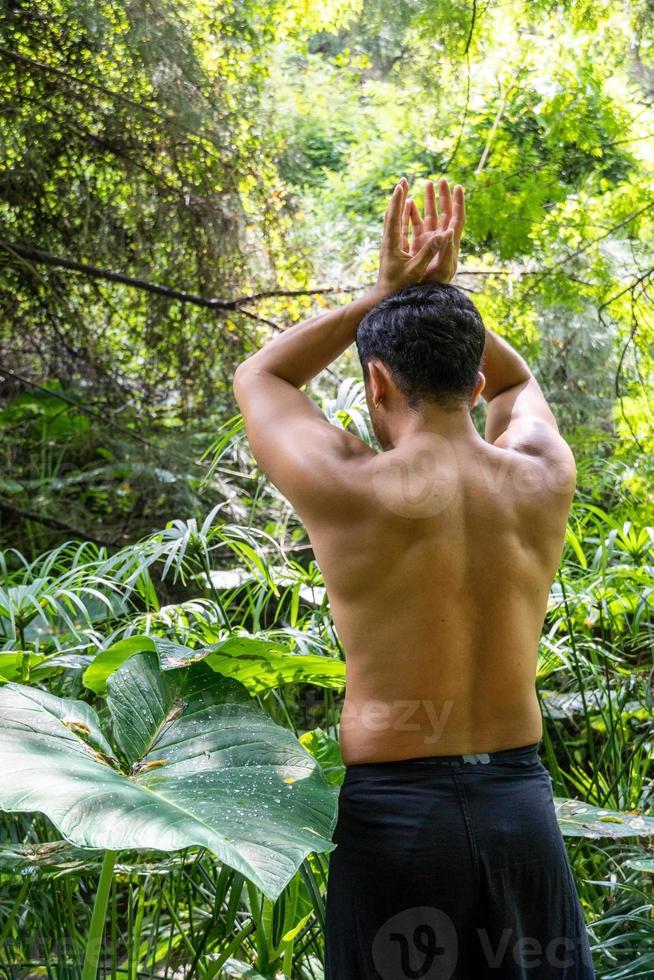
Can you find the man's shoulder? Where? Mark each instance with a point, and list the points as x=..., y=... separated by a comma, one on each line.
x=537, y=460
x=537, y=439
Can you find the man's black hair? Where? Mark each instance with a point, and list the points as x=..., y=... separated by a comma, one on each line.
x=431, y=338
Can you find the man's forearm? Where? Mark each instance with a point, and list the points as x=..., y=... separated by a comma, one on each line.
x=502, y=366
x=304, y=350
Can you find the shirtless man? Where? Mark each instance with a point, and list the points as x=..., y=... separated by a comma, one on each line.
x=438, y=554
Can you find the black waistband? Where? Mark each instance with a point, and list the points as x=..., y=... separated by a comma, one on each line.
x=518, y=753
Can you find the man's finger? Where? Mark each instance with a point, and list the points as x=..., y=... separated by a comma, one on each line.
x=390, y=203
x=445, y=199
x=406, y=212
x=385, y=226
x=392, y=229
x=416, y=220
x=431, y=215
x=458, y=219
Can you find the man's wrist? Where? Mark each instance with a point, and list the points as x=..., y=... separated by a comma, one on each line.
x=377, y=294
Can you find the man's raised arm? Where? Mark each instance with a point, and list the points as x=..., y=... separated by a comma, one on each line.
x=519, y=417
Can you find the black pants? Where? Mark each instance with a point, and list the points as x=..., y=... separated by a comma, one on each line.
x=452, y=868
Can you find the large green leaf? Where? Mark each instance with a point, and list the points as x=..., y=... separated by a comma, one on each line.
x=11, y=664
x=107, y=661
x=171, y=656
x=327, y=751
x=260, y=665
x=61, y=858
x=256, y=661
x=201, y=765
x=579, y=819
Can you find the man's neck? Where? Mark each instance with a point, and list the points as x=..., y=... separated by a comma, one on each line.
x=453, y=425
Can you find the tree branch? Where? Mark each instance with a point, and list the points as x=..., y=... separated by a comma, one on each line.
x=51, y=522
x=95, y=272
x=83, y=81
x=103, y=417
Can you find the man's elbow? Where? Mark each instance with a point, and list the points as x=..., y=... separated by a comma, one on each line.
x=242, y=376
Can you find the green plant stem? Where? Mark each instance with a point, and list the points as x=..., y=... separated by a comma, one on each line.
x=287, y=963
x=228, y=950
x=214, y=591
x=135, y=938
x=94, y=938
x=257, y=906
x=577, y=669
x=15, y=911
x=170, y=904
x=25, y=659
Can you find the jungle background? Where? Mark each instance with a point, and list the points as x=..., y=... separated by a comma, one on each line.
x=180, y=180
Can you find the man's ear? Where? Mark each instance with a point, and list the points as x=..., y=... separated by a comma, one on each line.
x=479, y=387
x=376, y=381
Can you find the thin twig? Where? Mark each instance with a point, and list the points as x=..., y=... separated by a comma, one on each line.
x=584, y=248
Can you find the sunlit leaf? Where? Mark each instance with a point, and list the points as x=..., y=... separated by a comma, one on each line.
x=202, y=765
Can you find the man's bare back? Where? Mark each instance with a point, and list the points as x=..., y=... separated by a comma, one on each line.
x=438, y=565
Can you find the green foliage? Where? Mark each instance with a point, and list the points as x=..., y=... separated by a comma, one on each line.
x=224, y=150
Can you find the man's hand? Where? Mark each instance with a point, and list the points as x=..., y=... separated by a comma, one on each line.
x=433, y=248
x=442, y=266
